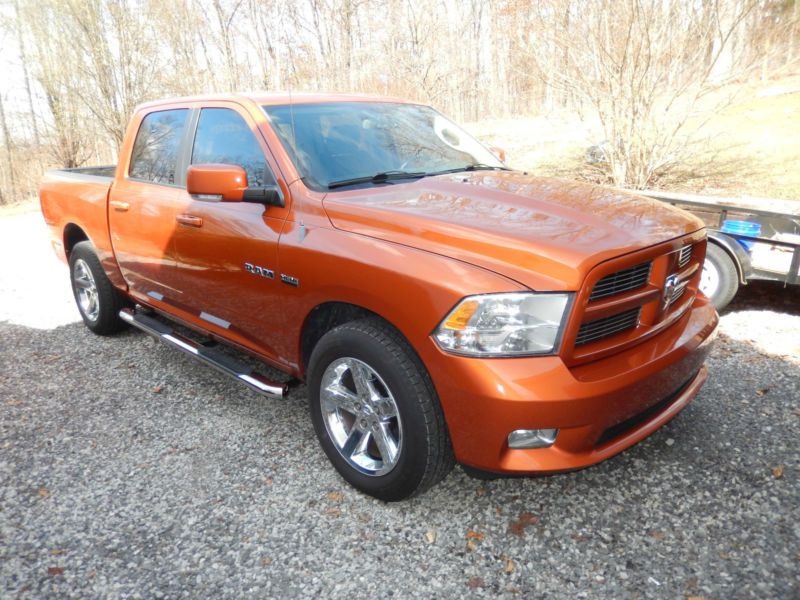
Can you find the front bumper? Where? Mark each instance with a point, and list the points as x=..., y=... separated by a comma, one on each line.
x=600, y=408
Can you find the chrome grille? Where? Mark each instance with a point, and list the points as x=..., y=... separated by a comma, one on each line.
x=678, y=292
x=608, y=326
x=622, y=281
x=685, y=256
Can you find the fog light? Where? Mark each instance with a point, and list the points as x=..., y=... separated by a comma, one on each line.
x=532, y=438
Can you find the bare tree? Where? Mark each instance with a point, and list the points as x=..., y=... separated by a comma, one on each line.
x=8, y=146
x=647, y=72
x=644, y=68
x=24, y=60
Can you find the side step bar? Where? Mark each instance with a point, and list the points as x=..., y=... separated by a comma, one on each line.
x=220, y=361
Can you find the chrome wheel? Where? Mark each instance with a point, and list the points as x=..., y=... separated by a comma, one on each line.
x=361, y=416
x=709, y=279
x=86, y=290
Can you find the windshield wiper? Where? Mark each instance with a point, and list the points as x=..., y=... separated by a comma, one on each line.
x=471, y=167
x=382, y=177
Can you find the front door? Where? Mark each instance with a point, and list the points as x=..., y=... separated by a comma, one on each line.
x=227, y=252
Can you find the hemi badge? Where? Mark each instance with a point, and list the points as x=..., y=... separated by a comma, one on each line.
x=294, y=281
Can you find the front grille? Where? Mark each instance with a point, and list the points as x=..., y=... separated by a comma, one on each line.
x=685, y=256
x=622, y=281
x=607, y=326
x=678, y=292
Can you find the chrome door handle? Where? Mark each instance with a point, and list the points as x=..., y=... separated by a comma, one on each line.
x=119, y=206
x=189, y=220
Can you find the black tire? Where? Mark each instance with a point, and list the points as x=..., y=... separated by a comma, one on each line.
x=425, y=456
x=106, y=321
x=727, y=277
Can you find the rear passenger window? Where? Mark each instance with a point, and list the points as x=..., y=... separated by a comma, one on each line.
x=155, y=151
x=224, y=137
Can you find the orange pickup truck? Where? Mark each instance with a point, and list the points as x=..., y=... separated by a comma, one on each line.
x=440, y=306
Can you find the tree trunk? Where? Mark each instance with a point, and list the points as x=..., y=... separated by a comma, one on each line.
x=7, y=143
x=24, y=58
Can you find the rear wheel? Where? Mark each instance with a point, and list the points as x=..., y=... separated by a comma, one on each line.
x=98, y=301
x=720, y=279
x=375, y=411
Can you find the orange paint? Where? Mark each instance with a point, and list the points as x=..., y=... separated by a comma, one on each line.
x=410, y=252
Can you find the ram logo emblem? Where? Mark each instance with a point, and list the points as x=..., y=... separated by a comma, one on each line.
x=256, y=270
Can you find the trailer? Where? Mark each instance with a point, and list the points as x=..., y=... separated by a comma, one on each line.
x=748, y=239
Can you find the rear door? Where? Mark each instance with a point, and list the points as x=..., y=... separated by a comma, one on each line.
x=227, y=252
x=143, y=205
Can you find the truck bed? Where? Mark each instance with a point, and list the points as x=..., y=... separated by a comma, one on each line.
x=76, y=200
x=102, y=171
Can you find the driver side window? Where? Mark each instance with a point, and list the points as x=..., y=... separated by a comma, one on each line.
x=223, y=136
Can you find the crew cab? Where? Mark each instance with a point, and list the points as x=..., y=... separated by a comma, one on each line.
x=440, y=306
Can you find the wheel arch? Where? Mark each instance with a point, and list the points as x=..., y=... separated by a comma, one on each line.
x=324, y=317
x=740, y=258
x=73, y=234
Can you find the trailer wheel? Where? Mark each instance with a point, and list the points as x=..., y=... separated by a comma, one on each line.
x=720, y=279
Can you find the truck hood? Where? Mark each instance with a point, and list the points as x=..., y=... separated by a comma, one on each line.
x=544, y=233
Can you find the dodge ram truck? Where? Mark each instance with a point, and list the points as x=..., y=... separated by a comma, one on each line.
x=439, y=306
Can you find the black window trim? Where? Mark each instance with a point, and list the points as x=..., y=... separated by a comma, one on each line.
x=195, y=122
x=181, y=163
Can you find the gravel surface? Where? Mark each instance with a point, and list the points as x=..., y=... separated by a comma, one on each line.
x=127, y=470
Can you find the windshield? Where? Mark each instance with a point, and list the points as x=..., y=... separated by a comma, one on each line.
x=338, y=141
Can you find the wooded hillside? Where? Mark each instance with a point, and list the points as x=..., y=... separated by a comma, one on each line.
x=643, y=69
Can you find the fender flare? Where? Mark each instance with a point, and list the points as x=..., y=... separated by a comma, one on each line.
x=740, y=258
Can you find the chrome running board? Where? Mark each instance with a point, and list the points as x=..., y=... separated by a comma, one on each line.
x=214, y=358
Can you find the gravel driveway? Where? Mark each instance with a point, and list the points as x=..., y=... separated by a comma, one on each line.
x=127, y=470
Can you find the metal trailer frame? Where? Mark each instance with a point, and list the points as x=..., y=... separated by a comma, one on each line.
x=728, y=241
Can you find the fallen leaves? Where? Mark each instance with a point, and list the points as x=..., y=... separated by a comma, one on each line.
x=474, y=583
x=334, y=496
x=55, y=571
x=472, y=537
x=762, y=391
x=525, y=520
x=657, y=535
x=157, y=389
x=509, y=568
x=777, y=472
x=44, y=492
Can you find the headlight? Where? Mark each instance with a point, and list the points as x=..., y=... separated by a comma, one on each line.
x=512, y=324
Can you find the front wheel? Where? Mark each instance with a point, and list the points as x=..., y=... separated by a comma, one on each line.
x=375, y=411
x=719, y=279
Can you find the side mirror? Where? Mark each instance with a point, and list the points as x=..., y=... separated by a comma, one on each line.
x=498, y=152
x=269, y=194
x=217, y=182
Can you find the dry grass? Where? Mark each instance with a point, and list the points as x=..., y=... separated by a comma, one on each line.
x=20, y=208
x=752, y=148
